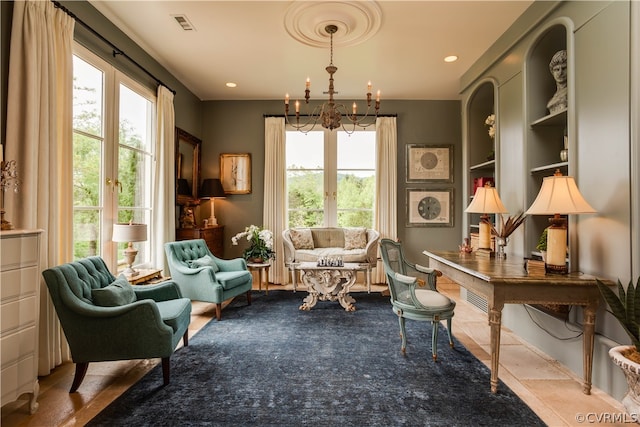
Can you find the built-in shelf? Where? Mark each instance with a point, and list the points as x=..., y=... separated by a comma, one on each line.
x=556, y=119
x=546, y=168
x=488, y=165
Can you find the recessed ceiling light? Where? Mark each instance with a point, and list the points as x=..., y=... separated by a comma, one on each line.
x=231, y=84
x=450, y=58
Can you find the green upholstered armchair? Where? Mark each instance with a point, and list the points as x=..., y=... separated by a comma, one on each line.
x=409, y=297
x=202, y=276
x=105, y=318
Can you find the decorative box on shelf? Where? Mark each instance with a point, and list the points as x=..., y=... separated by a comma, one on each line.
x=481, y=182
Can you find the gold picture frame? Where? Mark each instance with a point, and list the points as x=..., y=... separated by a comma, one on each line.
x=429, y=163
x=235, y=173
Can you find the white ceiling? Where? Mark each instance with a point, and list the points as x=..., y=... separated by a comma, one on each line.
x=246, y=42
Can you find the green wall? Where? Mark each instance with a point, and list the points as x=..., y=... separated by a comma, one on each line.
x=238, y=127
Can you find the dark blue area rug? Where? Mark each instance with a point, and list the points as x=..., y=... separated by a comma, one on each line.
x=270, y=364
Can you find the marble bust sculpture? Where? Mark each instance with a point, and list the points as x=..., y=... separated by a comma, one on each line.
x=558, y=69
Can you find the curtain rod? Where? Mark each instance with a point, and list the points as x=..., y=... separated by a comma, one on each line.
x=116, y=50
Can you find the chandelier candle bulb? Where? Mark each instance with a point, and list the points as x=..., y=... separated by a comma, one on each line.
x=378, y=96
x=286, y=99
x=297, y=106
x=355, y=107
x=308, y=84
x=369, y=86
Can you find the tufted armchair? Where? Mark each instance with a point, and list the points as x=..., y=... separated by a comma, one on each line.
x=414, y=294
x=202, y=276
x=107, y=319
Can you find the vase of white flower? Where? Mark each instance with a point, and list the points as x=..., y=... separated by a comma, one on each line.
x=260, y=244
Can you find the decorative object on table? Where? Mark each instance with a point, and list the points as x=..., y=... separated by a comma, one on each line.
x=558, y=69
x=465, y=247
x=260, y=244
x=542, y=244
x=429, y=163
x=211, y=189
x=129, y=233
x=559, y=195
x=564, y=153
x=187, y=219
x=506, y=229
x=624, y=306
x=429, y=208
x=485, y=201
x=8, y=179
x=330, y=114
x=235, y=173
x=330, y=261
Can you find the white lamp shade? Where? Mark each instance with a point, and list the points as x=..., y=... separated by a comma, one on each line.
x=129, y=232
x=486, y=200
x=559, y=195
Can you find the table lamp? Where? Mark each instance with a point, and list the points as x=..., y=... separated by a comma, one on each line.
x=559, y=195
x=183, y=187
x=211, y=189
x=485, y=201
x=130, y=233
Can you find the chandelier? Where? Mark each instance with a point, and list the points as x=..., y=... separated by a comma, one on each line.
x=330, y=114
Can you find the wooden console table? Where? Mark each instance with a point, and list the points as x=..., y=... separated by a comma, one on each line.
x=505, y=281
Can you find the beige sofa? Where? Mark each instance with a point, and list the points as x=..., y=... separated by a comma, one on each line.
x=357, y=245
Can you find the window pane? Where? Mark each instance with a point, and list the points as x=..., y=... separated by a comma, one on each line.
x=305, y=178
x=305, y=151
x=87, y=153
x=88, y=83
x=135, y=120
x=86, y=233
x=357, y=151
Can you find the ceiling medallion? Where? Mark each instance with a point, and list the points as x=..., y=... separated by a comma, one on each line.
x=355, y=22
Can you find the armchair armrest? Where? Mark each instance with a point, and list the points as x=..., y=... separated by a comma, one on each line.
x=289, y=249
x=372, y=247
x=164, y=291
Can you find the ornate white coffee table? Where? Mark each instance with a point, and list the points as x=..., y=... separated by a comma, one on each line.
x=328, y=283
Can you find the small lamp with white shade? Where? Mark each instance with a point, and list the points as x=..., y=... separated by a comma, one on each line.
x=559, y=195
x=211, y=189
x=485, y=201
x=130, y=233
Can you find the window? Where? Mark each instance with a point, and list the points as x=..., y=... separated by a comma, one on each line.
x=113, y=140
x=330, y=178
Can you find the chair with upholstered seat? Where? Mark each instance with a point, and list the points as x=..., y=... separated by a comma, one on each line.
x=414, y=294
x=104, y=318
x=202, y=276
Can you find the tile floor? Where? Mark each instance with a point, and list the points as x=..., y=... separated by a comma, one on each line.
x=552, y=391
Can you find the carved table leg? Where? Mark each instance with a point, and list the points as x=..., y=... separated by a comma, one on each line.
x=587, y=344
x=495, y=321
x=346, y=300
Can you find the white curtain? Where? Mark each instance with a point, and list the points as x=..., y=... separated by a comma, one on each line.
x=164, y=214
x=39, y=138
x=274, y=213
x=386, y=210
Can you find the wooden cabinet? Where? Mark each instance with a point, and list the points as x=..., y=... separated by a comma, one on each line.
x=19, y=300
x=214, y=236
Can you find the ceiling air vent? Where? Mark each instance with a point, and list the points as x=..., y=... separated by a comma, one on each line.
x=184, y=22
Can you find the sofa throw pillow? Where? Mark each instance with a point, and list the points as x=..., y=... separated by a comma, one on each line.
x=301, y=238
x=355, y=238
x=203, y=262
x=120, y=292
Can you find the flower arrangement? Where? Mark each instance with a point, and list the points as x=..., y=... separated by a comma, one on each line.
x=260, y=243
x=491, y=122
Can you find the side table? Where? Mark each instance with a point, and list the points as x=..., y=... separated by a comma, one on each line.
x=145, y=276
x=263, y=270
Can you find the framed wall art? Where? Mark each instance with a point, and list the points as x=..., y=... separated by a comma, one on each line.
x=429, y=163
x=235, y=173
x=429, y=208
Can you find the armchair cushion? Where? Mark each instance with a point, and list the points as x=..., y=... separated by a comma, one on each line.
x=118, y=293
x=232, y=279
x=205, y=261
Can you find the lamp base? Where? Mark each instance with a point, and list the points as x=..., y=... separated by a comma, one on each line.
x=6, y=225
x=211, y=221
x=485, y=253
x=556, y=269
x=130, y=272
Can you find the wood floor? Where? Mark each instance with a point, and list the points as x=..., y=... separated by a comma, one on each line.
x=548, y=388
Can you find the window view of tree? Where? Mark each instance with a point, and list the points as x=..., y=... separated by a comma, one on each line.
x=112, y=177
x=330, y=179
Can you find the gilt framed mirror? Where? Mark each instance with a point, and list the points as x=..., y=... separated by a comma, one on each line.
x=187, y=167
